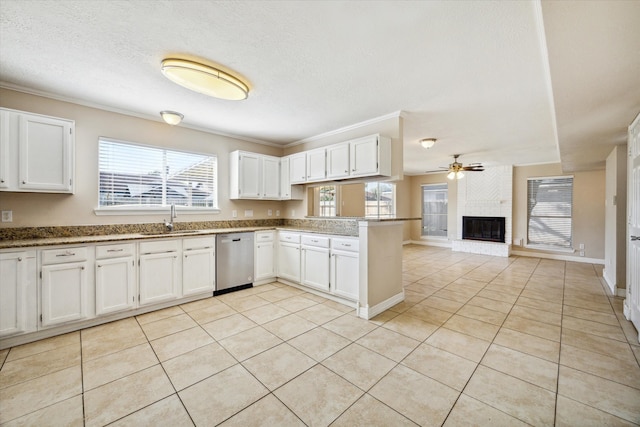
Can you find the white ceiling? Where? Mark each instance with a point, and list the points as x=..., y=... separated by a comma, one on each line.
x=476, y=75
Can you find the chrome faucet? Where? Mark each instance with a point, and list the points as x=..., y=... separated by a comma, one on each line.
x=173, y=216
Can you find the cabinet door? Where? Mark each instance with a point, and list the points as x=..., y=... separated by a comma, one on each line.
x=264, y=261
x=285, y=179
x=4, y=149
x=45, y=154
x=344, y=275
x=338, y=161
x=198, y=271
x=316, y=164
x=115, y=285
x=289, y=261
x=13, y=268
x=364, y=156
x=271, y=177
x=315, y=267
x=64, y=293
x=159, y=276
x=249, y=175
x=298, y=168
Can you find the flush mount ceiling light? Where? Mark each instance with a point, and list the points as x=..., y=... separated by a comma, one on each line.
x=171, y=117
x=427, y=142
x=204, y=79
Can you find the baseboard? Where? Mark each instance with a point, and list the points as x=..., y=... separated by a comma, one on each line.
x=608, y=281
x=558, y=257
x=446, y=244
x=371, y=312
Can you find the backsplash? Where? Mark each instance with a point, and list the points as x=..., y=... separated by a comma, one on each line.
x=347, y=227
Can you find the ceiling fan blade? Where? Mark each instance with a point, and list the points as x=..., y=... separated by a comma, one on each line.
x=473, y=168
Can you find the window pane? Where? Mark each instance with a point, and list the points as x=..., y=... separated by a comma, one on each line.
x=380, y=200
x=135, y=175
x=549, y=211
x=434, y=210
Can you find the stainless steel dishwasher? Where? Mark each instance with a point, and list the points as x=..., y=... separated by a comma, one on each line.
x=234, y=262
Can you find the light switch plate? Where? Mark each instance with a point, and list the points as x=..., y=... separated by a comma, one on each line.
x=7, y=216
x=277, y=212
x=234, y=213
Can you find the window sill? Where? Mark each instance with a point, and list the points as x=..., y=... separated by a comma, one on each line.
x=153, y=211
x=550, y=249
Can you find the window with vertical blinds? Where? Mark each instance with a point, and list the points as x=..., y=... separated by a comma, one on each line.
x=435, y=207
x=140, y=176
x=550, y=206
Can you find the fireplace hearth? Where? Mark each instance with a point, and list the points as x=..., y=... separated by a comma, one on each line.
x=484, y=228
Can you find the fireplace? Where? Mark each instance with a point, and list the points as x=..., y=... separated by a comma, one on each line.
x=486, y=228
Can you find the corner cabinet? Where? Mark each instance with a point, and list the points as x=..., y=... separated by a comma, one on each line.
x=37, y=153
x=253, y=176
x=18, y=296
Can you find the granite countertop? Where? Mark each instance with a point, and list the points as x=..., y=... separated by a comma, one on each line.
x=75, y=240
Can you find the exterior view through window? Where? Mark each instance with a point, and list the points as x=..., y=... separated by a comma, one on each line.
x=435, y=205
x=380, y=200
x=549, y=211
x=133, y=175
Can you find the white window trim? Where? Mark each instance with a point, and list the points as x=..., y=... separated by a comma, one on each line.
x=550, y=248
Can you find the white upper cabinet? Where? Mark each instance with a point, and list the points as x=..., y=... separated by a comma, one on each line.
x=316, y=164
x=298, y=168
x=287, y=191
x=338, y=161
x=254, y=176
x=369, y=156
x=37, y=153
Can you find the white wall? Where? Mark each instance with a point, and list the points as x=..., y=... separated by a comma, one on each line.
x=615, y=249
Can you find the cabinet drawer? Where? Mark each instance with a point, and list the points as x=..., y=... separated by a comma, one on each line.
x=199, y=243
x=350, y=245
x=159, y=246
x=60, y=256
x=319, y=241
x=264, y=236
x=115, y=251
x=285, y=236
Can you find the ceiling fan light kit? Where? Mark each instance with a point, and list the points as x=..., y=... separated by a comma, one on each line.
x=204, y=79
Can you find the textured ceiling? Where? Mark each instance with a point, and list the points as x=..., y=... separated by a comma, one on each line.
x=472, y=74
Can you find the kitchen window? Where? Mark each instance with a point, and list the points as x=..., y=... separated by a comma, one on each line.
x=435, y=207
x=138, y=178
x=380, y=200
x=549, y=210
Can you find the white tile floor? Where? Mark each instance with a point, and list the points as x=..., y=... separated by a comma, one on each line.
x=478, y=341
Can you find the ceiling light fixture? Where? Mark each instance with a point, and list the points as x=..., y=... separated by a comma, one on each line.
x=171, y=117
x=204, y=79
x=427, y=142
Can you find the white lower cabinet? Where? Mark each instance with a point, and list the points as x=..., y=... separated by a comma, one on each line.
x=289, y=256
x=18, y=303
x=159, y=271
x=315, y=262
x=115, y=278
x=65, y=286
x=344, y=268
x=198, y=265
x=264, y=256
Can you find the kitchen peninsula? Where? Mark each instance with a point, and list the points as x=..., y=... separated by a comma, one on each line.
x=37, y=260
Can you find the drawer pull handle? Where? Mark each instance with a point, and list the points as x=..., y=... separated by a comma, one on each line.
x=66, y=254
x=347, y=245
x=115, y=250
x=19, y=259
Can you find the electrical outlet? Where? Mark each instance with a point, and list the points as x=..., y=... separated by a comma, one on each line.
x=293, y=212
x=269, y=212
x=234, y=213
x=581, y=246
x=581, y=253
x=248, y=213
x=277, y=212
x=7, y=216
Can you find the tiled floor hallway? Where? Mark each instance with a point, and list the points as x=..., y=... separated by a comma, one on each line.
x=479, y=341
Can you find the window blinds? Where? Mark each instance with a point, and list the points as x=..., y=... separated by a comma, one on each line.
x=434, y=210
x=549, y=211
x=133, y=175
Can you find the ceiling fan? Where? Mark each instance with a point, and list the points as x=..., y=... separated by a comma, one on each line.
x=456, y=169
